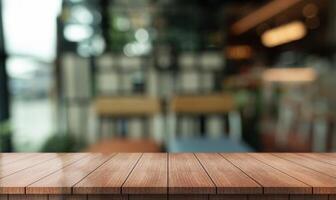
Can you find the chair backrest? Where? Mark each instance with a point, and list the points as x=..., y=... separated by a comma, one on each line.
x=125, y=145
x=127, y=106
x=208, y=104
x=215, y=104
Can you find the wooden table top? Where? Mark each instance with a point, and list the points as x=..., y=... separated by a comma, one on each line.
x=163, y=173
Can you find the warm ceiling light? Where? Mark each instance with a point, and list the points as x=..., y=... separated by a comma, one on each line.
x=289, y=75
x=283, y=34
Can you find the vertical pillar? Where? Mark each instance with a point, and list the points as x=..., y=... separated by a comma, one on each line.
x=5, y=134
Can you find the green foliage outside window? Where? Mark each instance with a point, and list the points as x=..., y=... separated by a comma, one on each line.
x=5, y=136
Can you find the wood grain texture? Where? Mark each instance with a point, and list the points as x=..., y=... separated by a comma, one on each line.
x=268, y=197
x=308, y=197
x=150, y=176
x=308, y=162
x=173, y=197
x=7, y=158
x=332, y=197
x=148, y=197
x=323, y=157
x=187, y=176
x=107, y=197
x=228, y=197
x=62, y=181
x=321, y=183
x=27, y=197
x=188, y=196
x=108, y=178
x=67, y=197
x=21, y=164
x=273, y=181
x=16, y=183
x=228, y=178
x=3, y=197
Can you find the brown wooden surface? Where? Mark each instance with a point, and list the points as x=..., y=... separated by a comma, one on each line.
x=27, y=197
x=272, y=180
x=12, y=167
x=107, y=197
x=166, y=197
x=150, y=176
x=227, y=178
x=187, y=176
x=67, y=197
x=61, y=182
x=6, y=158
x=109, y=178
x=309, y=197
x=269, y=197
x=148, y=197
x=16, y=183
x=323, y=157
x=124, y=176
x=321, y=183
x=228, y=197
x=303, y=160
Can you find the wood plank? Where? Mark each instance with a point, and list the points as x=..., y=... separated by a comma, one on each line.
x=188, y=196
x=150, y=176
x=272, y=180
x=191, y=176
x=109, y=177
x=7, y=158
x=268, y=197
x=67, y=197
x=323, y=157
x=332, y=197
x=107, y=197
x=308, y=197
x=228, y=178
x=307, y=162
x=62, y=181
x=11, y=185
x=21, y=164
x=27, y=197
x=148, y=197
x=187, y=176
x=321, y=183
x=227, y=197
x=3, y=197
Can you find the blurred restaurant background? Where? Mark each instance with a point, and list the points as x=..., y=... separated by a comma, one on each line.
x=167, y=75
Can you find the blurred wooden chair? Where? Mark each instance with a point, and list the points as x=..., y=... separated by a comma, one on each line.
x=122, y=108
x=302, y=130
x=201, y=106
